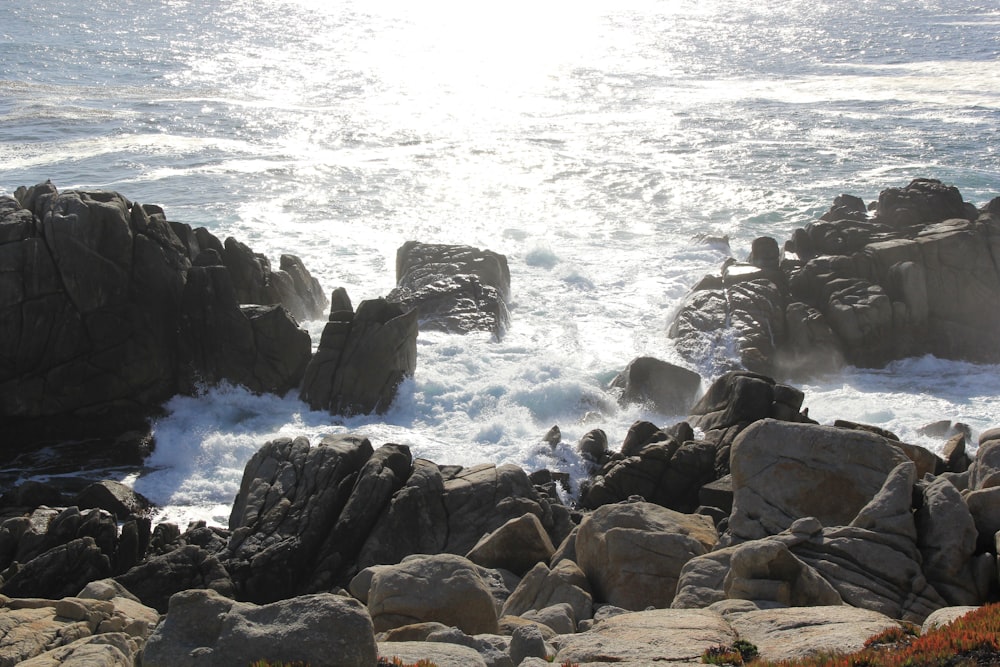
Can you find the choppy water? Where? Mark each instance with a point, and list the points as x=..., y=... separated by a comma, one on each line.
x=589, y=142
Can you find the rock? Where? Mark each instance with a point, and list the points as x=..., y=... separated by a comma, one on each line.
x=559, y=617
x=72, y=631
x=115, y=498
x=291, y=499
x=517, y=546
x=443, y=588
x=667, y=388
x=436, y=653
x=61, y=571
x=187, y=567
x=943, y=617
x=456, y=289
x=647, y=637
x=984, y=505
x=802, y=633
x=665, y=473
x=947, y=541
x=914, y=280
x=527, y=642
x=202, y=627
x=767, y=570
x=362, y=359
x=104, y=650
x=614, y=547
x=593, y=446
x=984, y=473
x=108, y=317
x=782, y=471
x=873, y=563
x=542, y=587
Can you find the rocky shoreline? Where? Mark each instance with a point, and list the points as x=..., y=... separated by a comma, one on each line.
x=746, y=521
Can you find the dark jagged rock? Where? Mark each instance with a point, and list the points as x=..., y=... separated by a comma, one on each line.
x=307, y=518
x=457, y=289
x=362, y=359
x=59, y=572
x=115, y=498
x=107, y=310
x=187, y=567
x=921, y=277
x=665, y=387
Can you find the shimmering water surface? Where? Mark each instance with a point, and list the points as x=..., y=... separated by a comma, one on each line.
x=588, y=142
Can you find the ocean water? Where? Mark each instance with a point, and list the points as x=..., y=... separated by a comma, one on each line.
x=591, y=143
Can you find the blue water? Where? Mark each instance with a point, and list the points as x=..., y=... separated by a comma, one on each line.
x=589, y=142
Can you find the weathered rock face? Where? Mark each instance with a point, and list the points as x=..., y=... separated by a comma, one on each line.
x=784, y=471
x=107, y=310
x=920, y=278
x=73, y=631
x=616, y=544
x=884, y=558
x=362, y=359
x=443, y=588
x=307, y=519
x=457, y=289
x=665, y=387
x=202, y=627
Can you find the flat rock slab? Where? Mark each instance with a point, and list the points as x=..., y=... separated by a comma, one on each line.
x=644, y=637
x=799, y=632
x=442, y=655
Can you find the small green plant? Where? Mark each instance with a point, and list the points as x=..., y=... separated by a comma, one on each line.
x=739, y=653
x=268, y=663
x=395, y=661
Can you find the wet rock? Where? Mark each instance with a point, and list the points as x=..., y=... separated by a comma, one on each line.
x=457, y=289
x=106, y=316
x=666, y=388
x=362, y=359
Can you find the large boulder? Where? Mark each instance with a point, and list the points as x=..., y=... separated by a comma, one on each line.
x=632, y=553
x=665, y=387
x=444, y=588
x=302, y=512
x=876, y=561
x=784, y=471
x=362, y=359
x=108, y=310
x=453, y=288
x=202, y=627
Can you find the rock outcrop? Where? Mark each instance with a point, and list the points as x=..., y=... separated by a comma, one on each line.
x=108, y=309
x=362, y=359
x=919, y=277
x=202, y=627
x=454, y=288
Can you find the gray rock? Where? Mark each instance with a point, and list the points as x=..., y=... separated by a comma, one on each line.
x=442, y=655
x=542, y=587
x=527, y=642
x=799, y=633
x=648, y=637
x=667, y=388
x=783, y=471
x=443, y=588
x=362, y=359
x=614, y=546
x=203, y=628
x=518, y=545
x=453, y=288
